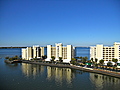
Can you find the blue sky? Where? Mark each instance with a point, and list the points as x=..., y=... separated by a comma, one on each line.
x=76, y=22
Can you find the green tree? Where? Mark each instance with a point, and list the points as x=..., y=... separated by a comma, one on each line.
x=15, y=57
x=84, y=59
x=44, y=57
x=81, y=58
x=53, y=58
x=73, y=61
x=101, y=61
x=115, y=60
x=6, y=57
x=96, y=65
x=109, y=64
x=60, y=59
x=11, y=59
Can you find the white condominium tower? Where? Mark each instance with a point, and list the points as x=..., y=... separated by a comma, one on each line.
x=107, y=53
x=60, y=51
x=32, y=52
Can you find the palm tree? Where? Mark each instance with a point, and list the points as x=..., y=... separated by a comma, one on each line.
x=96, y=60
x=91, y=59
x=96, y=65
x=101, y=62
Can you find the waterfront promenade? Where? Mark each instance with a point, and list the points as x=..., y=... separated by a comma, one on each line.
x=92, y=70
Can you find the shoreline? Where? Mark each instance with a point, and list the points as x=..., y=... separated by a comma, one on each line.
x=104, y=72
x=10, y=47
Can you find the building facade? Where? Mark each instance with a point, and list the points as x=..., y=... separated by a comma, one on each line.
x=32, y=52
x=60, y=51
x=107, y=53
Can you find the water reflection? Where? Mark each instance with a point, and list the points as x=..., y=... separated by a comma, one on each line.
x=32, y=69
x=60, y=74
x=100, y=81
x=67, y=77
x=12, y=65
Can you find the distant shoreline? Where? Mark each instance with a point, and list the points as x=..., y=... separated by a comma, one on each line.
x=104, y=72
x=11, y=47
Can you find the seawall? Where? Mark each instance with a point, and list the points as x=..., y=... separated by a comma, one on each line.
x=104, y=72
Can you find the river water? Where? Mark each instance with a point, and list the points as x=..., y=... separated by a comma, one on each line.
x=37, y=77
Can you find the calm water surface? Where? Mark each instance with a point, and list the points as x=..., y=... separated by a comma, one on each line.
x=82, y=52
x=37, y=77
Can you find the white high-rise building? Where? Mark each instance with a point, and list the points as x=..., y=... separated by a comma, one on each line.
x=60, y=51
x=32, y=52
x=107, y=53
